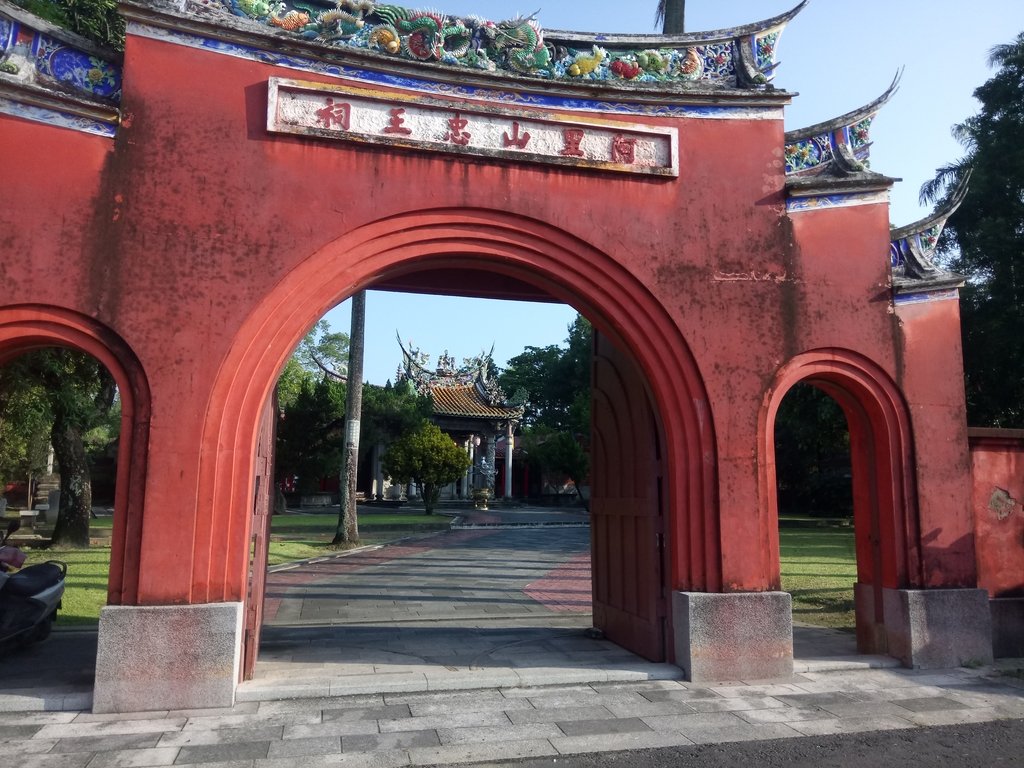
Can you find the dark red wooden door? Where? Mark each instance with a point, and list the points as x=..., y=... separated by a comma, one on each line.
x=626, y=507
x=261, y=507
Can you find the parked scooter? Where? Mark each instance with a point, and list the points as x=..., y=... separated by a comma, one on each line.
x=29, y=598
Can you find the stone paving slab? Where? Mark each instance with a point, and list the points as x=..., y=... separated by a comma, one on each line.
x=495, y=689
x=428, y=728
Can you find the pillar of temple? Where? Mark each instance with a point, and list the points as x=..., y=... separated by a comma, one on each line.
x=509, y=445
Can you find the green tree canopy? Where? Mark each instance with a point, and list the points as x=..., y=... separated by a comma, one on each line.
x=553, y=382
x=558, y=453
x=97, y=20
x=74, y=393
x=984, y=240
x=309, y=437
x=428, y=457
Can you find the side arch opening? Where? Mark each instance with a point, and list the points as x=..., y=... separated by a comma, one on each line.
x=885, y=529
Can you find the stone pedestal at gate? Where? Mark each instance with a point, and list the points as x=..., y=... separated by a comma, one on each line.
x=739, y=636
x=938, y=628
x=167, y=657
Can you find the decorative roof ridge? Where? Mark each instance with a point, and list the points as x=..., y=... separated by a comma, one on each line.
x=73, y=39
x=936, y=217
x=400, y=38
x=850, y=118
x=912, y=249
x=685, y=38
x=832, y=182
x=841, y=145
x=62, y=100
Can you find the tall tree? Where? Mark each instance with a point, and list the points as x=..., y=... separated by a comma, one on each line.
x=78, y=393
x=553, y=382
x=671, y=15
x=309, y=438
x=348, y=522
x=984, y=241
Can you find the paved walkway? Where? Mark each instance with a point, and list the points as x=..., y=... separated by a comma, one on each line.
x=358, y=649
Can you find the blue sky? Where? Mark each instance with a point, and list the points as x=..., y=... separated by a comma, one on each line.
x=836, y=55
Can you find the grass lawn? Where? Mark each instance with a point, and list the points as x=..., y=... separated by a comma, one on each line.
x=818, y=564
x=819, y=567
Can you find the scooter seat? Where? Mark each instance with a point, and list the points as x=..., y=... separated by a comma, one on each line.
x=34, y=579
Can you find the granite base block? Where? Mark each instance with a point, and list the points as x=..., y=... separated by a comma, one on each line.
x=938, y=628
x=167, y=657
x=737, y=636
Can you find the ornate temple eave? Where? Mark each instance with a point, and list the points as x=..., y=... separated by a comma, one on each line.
x=49, y=75
x=686, y=38
x=836, y=190
x=864, y=181
x=850, y=118
x=841, y=145
x=205, y=21
x=942, y=282
x=58, y=108
x=937, y=218
x=913, y=249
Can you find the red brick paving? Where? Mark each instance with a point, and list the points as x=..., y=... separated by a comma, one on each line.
x=566, y=588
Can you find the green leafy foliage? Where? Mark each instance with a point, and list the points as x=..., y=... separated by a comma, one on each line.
x=75, y=394
x=984, y=241
x=558, y=454
x=310, y=436
x=97, y=20
x=324, y=351
x=812, y=455
x=390, y=412
x=25, y=422
x=428, y=457
x=670, y=16
x=553, y=382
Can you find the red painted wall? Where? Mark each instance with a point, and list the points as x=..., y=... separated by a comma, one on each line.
x=210, y=247
x=997, y=458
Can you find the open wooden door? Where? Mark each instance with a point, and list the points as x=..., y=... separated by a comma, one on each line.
x=259, y=541
x=627, y=536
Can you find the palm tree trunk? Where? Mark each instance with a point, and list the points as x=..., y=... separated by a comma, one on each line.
x=673, y=14
x=348, y=522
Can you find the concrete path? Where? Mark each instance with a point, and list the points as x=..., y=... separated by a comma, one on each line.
x=396, y=729
x=471, y=647
x=466, y=609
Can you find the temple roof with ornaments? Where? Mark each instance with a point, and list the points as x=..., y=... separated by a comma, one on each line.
x=457, y=392
x=52, y=76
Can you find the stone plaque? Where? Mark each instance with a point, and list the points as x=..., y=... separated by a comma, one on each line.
x=355, y=114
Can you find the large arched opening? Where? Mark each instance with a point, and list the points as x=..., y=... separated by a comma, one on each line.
x=643, y=345
x=27, y=329
x=880, y=448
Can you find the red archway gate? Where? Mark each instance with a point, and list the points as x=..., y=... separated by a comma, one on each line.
x=209, y=228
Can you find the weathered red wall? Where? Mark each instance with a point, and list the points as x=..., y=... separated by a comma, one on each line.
x=211, y=247
x=997, y=458
x=930, y=372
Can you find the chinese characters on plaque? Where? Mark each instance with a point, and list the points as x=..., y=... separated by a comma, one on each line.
x=421, y=122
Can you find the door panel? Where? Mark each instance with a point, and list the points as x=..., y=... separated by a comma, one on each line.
x=259, y=541
x=626, y=515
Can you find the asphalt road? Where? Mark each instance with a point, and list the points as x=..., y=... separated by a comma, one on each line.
x=997, y=743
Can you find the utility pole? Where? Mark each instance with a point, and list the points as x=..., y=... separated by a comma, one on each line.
x=348, y=522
